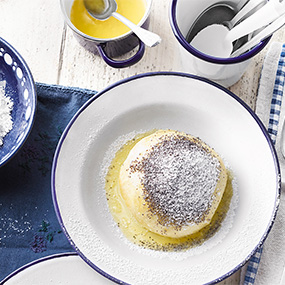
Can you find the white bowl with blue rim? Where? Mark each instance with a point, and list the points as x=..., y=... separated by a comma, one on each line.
x=20, y=88
x=181, y=102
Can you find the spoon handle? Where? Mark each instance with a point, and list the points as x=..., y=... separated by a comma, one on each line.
x=262, y=17
x=248, y=7
x=147, y=37
x=263, y=34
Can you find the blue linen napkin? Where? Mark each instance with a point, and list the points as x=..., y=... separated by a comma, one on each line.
x=29, y=228
x=266, y=265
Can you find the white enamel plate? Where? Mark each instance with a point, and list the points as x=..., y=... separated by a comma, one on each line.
x=64, y=268
x=164, y=101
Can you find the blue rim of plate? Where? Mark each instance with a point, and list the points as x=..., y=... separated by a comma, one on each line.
x=179, y=74
x=177, y=33
x=37, y=261
x=28, y=79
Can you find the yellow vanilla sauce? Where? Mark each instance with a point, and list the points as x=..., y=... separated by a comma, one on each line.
x=133, y=10
x=142, y=236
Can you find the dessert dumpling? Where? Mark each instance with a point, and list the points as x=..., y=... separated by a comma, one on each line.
x=172, y=183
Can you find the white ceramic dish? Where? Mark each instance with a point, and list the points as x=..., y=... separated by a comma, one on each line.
x=65, y=268
x=181, y=102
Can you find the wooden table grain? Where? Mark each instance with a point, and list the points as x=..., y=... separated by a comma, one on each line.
x=36, y=29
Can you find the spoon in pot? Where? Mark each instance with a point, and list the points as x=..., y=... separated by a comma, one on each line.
x=104, y=9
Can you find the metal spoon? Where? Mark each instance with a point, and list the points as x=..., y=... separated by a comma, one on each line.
x=104, y=9
x=268, y=16
x=243, y=12
x=262, y=17
x=215, y=14
x=225, y=15
x=224, y=38
x=222, y=13
x=260, y=36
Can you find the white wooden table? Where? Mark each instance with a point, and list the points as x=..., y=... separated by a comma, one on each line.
x=37, y=30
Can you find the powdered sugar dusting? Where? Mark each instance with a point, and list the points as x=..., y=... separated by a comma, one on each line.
x=179, y=177
x=6, y=106
x=113, y=148
x=13, y=227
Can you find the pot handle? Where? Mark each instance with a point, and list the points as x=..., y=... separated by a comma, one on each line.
x=122, y=63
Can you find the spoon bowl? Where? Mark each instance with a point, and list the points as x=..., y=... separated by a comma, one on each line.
x=222, y=13
x=227, y=17
x=215, y=14
x=102, y=11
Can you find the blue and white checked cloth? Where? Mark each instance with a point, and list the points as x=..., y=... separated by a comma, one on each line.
x=266, y=265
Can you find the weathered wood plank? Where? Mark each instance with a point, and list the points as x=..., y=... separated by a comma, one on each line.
x=34, y=29
x=82, y=68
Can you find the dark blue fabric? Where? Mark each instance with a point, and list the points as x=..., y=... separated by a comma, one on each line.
x=29, y=228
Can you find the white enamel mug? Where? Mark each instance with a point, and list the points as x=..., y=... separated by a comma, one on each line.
x=225, y=71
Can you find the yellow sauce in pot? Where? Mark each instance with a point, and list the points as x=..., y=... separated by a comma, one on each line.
x=133, y=10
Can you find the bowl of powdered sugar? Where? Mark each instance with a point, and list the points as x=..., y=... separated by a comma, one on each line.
x=17, y=101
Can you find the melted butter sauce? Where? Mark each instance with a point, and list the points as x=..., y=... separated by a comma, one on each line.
x=97, y=6
x=140, y=235
x=133, y=10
